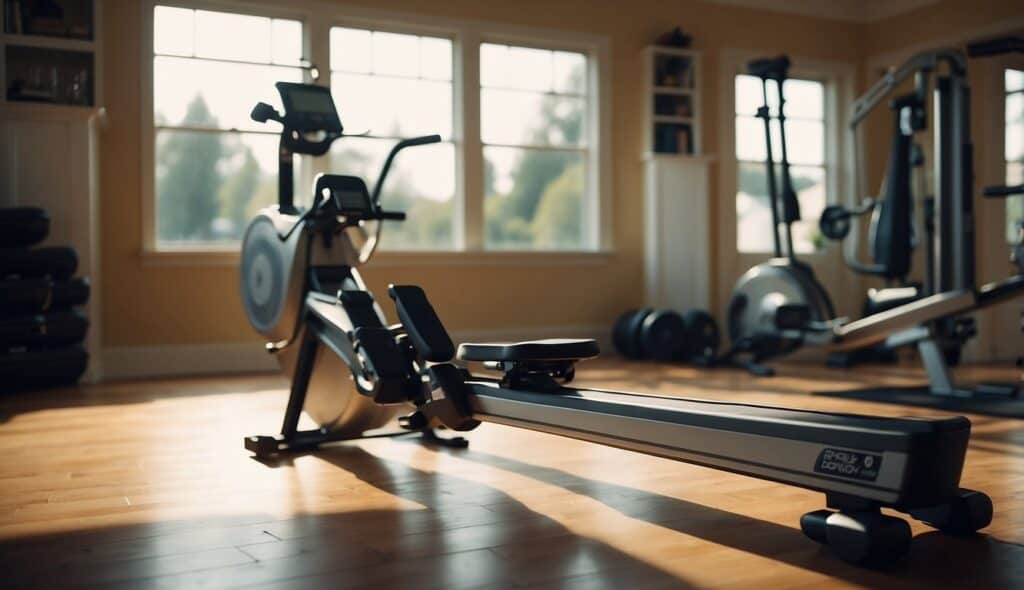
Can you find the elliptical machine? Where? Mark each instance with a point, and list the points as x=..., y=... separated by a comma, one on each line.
x=773, y=303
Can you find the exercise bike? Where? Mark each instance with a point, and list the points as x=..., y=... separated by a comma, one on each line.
x=352, y=372
x=779, y=306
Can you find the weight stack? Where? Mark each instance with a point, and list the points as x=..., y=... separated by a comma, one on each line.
x=42, y=329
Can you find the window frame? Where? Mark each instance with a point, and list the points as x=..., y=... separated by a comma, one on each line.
x=836, y=78
x=840, y=91
x=1016, y=63
x=317, y=20
x=828, y=165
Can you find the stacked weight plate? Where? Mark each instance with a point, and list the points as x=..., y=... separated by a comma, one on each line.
x=665, y=335
x=41, y=331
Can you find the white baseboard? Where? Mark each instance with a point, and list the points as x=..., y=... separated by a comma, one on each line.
x=129, y=362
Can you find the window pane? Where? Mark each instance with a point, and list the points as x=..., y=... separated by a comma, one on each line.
x=421, y=183
x=173, y=30
x=224, y=35
x=515, y=117
x=750, y=96
x=209, y=185
x=382, y=105
x=805, y=99
x=1014, y=127
x=351, y=50
x=805, y=141
x=1014, y=80
x=198, y=93
x=435, y=58
x=570, y=72
x=753, y=212
x=395, y=54
x=535, y=199
x=287, y=41
x=1014, y=205
x=522, y=68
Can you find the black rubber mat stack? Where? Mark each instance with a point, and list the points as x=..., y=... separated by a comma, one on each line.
x=41, y=331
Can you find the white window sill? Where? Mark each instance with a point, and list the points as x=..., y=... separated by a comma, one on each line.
x=230, y=258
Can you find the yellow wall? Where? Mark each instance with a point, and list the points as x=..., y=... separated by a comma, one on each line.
x=147, y=305
x=152, y=305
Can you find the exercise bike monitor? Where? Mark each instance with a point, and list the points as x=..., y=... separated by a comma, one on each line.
x=309, y=107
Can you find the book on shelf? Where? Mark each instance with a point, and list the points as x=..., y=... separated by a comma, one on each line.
x=12, y=17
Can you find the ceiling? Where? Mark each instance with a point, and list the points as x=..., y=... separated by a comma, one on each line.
x=863, y=11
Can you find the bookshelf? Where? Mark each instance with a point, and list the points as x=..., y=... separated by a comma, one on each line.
x=673, y=114
x=51, y=52
x=677, y=205
x=50, y=119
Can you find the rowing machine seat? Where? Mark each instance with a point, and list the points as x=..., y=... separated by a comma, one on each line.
x=555, y=349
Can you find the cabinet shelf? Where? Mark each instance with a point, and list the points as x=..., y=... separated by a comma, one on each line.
x=45, y=42
x=671, y=90
x=672, y=117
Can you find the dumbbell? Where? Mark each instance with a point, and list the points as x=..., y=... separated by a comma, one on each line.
x=665, y=335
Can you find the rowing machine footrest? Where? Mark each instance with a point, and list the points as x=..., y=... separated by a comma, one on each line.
x=384, y=362
x=421, y=323
x=446, y=402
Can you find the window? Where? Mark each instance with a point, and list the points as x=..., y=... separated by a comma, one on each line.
x=396, y=86
x=214, y=167
x=517, y=168
x=534, y=126
x=805, y=143
x=1013, y=151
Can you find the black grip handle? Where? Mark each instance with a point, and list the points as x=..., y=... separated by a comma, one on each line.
x=997, y=46
x=772, y=68
x=391, y=215
x=422, y=140
x=999, y=191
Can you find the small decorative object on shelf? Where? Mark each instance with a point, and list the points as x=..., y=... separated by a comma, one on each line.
x=71, y=19
x=673, y=109
x=37, y=74
x=674, y=38
x=50, y=52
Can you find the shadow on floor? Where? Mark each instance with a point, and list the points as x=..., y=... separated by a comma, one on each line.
x=135, y=392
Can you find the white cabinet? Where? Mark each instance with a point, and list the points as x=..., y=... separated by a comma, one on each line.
x=677, y=247
x=49, y=159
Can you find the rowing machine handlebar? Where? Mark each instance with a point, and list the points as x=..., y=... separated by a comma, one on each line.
x=405, y=143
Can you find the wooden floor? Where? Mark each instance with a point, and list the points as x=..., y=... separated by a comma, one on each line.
x=146, y=485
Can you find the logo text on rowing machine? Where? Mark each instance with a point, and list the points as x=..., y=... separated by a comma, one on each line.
x=851, y=464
